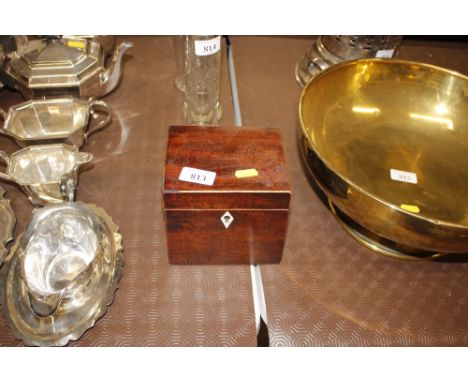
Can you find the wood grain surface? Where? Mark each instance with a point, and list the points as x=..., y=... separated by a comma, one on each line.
x=258, y=204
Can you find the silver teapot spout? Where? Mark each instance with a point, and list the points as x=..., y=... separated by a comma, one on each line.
x=111, y=75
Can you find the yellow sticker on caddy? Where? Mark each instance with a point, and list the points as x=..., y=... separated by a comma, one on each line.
x=410, y=208
x=246, y=173
x=76, y=44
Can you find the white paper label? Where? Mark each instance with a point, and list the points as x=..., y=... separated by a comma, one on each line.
x=403, y=176
x=194, y=175
x=386, y=53
x=207, y=47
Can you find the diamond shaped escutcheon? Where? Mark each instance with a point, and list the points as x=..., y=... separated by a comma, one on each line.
x=227, y=219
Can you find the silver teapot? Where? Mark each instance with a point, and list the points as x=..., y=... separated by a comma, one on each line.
x=65, y=66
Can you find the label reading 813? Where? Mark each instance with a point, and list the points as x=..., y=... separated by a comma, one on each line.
x=195, y=175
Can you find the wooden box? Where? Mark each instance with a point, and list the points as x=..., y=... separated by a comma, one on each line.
x=241, y=218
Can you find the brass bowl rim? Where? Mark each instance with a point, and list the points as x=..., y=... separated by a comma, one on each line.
x=438, y=222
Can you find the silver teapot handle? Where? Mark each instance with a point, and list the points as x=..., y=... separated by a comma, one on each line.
x=6, y=159
x=100, y=114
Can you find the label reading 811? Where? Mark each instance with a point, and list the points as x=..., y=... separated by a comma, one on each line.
x=207, y=47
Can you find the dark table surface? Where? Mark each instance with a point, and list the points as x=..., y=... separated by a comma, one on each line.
x=328, y=290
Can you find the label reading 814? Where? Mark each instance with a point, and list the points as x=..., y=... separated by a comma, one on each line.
x=207, y=47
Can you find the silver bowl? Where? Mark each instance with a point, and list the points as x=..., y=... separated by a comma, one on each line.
x=46, y=173
x=55, y=120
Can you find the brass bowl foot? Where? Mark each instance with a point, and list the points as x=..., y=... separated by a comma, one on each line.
x=378, y=243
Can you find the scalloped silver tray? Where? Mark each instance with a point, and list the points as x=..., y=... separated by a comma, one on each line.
x=7, y=224
x=77, y=302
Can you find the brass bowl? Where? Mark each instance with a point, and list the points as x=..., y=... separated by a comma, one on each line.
x=387, y=142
